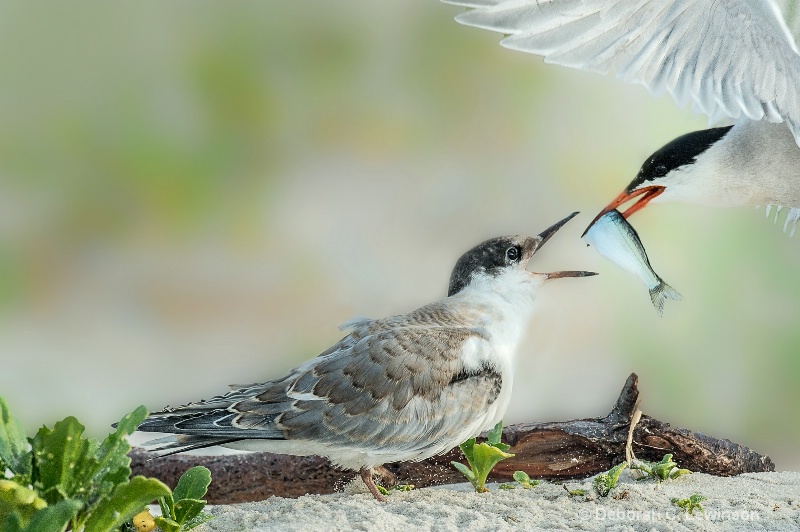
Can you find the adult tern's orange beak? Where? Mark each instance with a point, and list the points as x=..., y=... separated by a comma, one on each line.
x=646, y=193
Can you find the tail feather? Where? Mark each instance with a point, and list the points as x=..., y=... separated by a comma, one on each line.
x=178, y=443
x=792, y=216
x=791, y=220
x=660, y=293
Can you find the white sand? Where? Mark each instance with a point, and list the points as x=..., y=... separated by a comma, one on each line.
x=761, y=501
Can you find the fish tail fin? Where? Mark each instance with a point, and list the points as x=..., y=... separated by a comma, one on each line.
x=660, y=293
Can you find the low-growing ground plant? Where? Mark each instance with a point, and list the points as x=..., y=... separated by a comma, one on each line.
x=690, y=504
x=605, y=482
x=482, y=457
x=183, y=509
x=578, y=492
x=522, y=480
x=397, y=487
x=60, y=479
x=664, y=470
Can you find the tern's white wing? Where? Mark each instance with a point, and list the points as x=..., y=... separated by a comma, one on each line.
x=728, y=57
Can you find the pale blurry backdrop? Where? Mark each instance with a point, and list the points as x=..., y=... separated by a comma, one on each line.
x=194, y=194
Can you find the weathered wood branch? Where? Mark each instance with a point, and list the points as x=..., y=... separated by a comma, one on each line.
x=556, y=450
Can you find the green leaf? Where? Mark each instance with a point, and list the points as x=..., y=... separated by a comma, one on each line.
x=198, y=520
x=53, y=518
x=485, y=457
x=493, y=438
x=467, y=472
x=186, y=509
x=193, y=484
x=466, y=448
x=167, y=525
x=167, y=504
x=522, y=477
x=15, y=451
x=170, y=525
x=678, y=472
x=112, y=463
x=494, y=435
x=125, y=501
x=524, y=480
x=664, y=467
x=19, y=500
x=62, y=456
x=604, y=483
x=690, y=504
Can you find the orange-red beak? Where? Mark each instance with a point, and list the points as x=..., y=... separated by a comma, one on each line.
x=646, y=193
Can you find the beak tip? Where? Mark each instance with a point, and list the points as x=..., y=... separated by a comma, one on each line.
x=545, y=235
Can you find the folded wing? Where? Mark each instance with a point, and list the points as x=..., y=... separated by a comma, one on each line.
x=400, y=387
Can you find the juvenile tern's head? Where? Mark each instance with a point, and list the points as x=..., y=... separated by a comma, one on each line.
x=504, y=261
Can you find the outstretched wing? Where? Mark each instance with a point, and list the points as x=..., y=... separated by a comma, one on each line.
x=728, y=57
x=395, y=388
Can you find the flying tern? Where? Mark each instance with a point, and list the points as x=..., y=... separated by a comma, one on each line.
x=729, y=58
x=405, y=387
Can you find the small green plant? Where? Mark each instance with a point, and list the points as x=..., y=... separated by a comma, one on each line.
x=660, y=471
x=398, y=487
x=690, y=504
x=605, y=482
x=576, y=492
x=183, y=509
x=523, y=481
x=59, y=478
x=482, y=457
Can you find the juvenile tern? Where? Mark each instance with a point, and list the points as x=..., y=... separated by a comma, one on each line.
x=405, y=387
x=730, y=58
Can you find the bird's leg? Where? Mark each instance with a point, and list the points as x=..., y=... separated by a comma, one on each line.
x=366, y=476
x=386, y=477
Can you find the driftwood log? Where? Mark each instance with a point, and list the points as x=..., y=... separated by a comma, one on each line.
x=554, y=451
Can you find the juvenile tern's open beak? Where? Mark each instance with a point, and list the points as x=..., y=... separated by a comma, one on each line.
x=646, y=193
x=544, y=236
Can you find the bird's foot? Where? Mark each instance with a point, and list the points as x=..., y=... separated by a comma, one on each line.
x=366, y=476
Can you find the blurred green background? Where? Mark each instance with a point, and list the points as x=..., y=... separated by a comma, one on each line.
x=194, y=194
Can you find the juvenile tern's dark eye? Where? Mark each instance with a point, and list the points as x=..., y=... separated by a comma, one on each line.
x=660, y=170
x=513, y=253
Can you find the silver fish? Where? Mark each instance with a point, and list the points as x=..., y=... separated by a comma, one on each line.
x=615, y=239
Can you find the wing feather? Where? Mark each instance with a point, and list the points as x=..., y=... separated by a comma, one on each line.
x=402, y=387
x=726, y=57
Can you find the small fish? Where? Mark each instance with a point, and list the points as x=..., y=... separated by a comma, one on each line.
x=615, y=239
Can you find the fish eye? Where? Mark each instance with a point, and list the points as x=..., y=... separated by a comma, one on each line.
x=513, y=253
x=660, y=170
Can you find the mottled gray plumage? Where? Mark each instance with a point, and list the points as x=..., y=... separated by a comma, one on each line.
x=404, y=387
